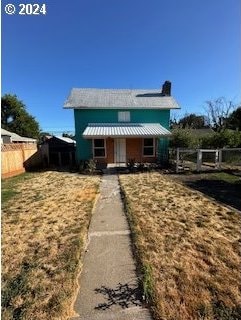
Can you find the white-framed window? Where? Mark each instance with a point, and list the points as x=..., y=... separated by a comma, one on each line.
x=124, y=116
x=99, y=148
x=149, y=147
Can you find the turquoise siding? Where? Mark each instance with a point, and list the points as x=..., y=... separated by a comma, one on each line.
x=83, y=117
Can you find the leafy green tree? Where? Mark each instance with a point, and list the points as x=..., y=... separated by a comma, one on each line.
x=15, y=118
x=234, y=120
x=225, y=138
x=68, y=135
x=181, y=138
x=193, y=121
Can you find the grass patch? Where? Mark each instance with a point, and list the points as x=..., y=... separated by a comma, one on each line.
x=227, y=177
x=44, y=227
x=189, y=246
x=9, y=185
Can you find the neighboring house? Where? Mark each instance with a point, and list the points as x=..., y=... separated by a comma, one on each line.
x=11, y=137
x=5, y=137
x=58, y=151
x=116, y=125
x=17, y=154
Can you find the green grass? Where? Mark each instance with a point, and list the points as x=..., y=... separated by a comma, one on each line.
x=8, y=190
x=227, y=177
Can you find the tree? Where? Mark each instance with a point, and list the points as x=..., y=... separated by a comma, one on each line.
x=225, y=138
x=181, y=138
x=68, y=135
x=234, y=120
x=193, y=121
x=15, y=118
x=218, y=111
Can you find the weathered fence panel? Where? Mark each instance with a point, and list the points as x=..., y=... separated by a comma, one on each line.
x=14, y=156
x=205, y=159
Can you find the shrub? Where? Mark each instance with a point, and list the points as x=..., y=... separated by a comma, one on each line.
x=225, y=138
x=87, y=166
x=183, y=139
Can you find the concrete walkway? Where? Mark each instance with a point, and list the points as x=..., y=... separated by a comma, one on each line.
x=108, y=282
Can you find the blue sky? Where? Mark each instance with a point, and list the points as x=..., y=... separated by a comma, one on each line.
x=121, y=44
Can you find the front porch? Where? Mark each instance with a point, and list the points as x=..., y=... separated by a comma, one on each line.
x=122, y=143
x=122, y=150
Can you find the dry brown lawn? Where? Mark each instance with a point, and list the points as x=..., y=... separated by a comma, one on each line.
x=44, y=228
x=189, y=247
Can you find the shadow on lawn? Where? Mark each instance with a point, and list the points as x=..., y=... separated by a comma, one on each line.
x=123, y=295
x=226, y=192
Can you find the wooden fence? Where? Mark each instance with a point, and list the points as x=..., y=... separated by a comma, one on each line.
x=205, y=159
x=16, y=157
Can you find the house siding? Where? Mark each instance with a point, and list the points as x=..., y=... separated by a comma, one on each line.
x=83, y=117
x=134, y=150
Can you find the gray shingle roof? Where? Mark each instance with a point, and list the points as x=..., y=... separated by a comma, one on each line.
x=116, y=130
x=119, y=98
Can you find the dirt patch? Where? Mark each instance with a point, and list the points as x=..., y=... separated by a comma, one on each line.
x=223, y=187
x=189, y=248
x=44, y=227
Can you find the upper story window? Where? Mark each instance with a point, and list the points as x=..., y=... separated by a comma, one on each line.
x=124, y=116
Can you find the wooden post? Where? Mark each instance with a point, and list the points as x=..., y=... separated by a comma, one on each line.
x=220, y=156
x=216, y=159
x=177, y=161
x=199, y=160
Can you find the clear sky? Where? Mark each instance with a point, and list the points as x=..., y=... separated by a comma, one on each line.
x=120, y=44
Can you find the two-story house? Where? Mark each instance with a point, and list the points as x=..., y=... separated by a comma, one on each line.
x=116, y=125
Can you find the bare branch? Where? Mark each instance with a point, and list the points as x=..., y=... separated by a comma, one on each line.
x=218, y=111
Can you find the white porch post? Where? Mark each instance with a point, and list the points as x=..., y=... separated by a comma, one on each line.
x=216, y=159
x=220, y=158
x=199, y=159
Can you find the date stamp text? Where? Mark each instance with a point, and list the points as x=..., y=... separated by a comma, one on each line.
x=26, y=9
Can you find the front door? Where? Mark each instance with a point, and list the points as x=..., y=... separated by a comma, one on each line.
x=120, y=150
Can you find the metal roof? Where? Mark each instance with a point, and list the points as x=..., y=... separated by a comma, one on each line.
x=5, y=132
x=118, y=130
x=82, y=98
x=15, y=137
x=66, y=139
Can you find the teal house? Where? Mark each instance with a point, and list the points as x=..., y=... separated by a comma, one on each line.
x=116, y=125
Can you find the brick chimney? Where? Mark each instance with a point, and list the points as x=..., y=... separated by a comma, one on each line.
x=166, y=88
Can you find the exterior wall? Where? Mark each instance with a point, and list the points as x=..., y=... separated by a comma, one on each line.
x=6, y=139
x=134, y=150
x=109, y=152
x=83, y=117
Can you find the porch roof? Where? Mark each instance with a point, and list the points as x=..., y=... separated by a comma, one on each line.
x=122, y=130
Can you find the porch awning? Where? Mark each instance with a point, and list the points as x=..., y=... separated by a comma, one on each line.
x=122, y=130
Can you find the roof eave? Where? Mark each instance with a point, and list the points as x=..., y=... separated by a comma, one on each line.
x=122, y=107
x=126, y=136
